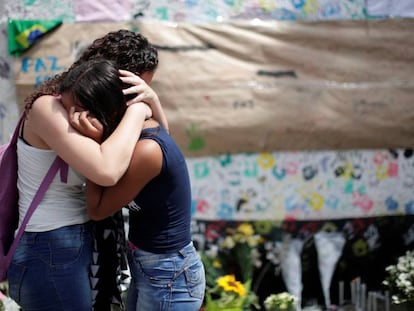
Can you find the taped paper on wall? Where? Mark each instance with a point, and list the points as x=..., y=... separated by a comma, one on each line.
x=244, y=87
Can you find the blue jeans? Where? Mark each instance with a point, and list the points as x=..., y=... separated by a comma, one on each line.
x=50, y=270
x=160, y=282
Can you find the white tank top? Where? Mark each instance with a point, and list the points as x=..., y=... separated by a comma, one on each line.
x=63, y=204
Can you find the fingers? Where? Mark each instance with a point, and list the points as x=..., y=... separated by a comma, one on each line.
x=73, y=117
x=96, y=124
x=135, y=89
x=86, y=124
x=126, y=73
x=84, y=121
x=138, y=86
x=79, y=119
x=133, y=80
x=129, y=77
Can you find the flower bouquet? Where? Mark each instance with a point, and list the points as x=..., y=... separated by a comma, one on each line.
x=229, y=264
x=400, y=280
x=280, y=302
x=230, y=295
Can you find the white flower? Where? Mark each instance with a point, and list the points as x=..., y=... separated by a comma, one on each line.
x=212, y=251
x=400, y=279
x=228, y=242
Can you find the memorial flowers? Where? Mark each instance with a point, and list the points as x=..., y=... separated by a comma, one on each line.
x=400, y=279
x=280, y=302
x=229, y=266
x=230, y=294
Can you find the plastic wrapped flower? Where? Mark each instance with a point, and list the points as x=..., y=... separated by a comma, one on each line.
x=229, y=264
x=242, y=244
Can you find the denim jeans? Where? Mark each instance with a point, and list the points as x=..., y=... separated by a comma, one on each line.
x=50, y=270
x=161, y=282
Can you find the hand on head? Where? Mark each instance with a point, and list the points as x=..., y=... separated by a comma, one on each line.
x=86, y=124
x=140, y=87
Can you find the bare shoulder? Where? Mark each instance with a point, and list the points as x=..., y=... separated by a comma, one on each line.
x=148, y=148
x=44, y=107
x=45, y=102
x=41, y=123
x=148, y=154
x=48, y=119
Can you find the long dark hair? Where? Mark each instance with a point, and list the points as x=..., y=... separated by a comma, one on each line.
x=95, y=86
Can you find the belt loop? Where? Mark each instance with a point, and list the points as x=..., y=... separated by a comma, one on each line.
x=182, y=252
x=186, y=249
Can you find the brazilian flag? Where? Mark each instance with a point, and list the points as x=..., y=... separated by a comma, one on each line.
x=22, y=34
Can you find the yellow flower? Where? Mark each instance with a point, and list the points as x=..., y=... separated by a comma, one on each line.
x=246, y=229
x=229, y=283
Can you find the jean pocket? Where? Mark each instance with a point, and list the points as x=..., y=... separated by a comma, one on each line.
x=64, y=252
x=196, y=280
x=15, y=275
x=160, y=272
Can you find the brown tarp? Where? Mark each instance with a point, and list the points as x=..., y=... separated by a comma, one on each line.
x=265, y=86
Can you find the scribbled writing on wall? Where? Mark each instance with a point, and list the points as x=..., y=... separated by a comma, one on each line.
x=42, y=67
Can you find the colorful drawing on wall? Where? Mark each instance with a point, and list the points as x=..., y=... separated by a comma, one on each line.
x=230, y=10
x=188, y=11
x=303, y=186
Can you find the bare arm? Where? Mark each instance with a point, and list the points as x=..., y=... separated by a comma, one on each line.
x=104, y=164
x=146, y=164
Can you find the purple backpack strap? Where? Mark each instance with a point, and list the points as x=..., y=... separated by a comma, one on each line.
x=17, y=129
x=58, y=164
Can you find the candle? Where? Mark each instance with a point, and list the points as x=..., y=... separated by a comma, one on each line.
x=357, y=293
x=363, y=296
x=369, y=304
x=341, y=293
x=353, y=292
x=387, y=300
